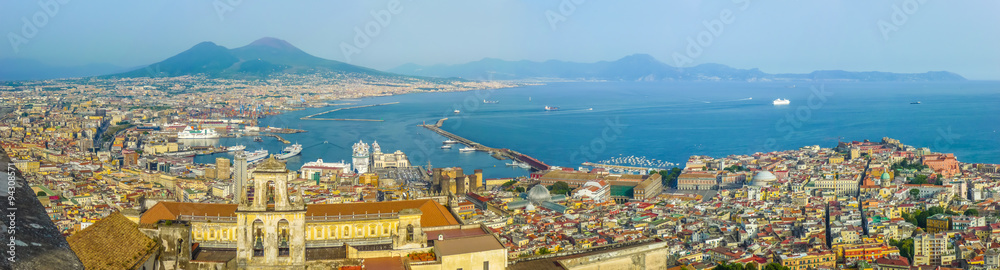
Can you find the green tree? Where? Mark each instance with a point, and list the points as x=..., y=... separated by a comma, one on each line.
x=40, y=193
x=972, y=212
x=774, y=266
x=905, y=247
x=914, y=193
x=519, y=189
x=543, y=251
x=751, y=266
x=669, y=177
x=560, y=188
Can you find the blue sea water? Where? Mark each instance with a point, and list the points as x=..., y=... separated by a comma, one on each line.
x=667, y=121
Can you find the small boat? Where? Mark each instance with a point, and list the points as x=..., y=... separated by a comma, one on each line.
x=547, y=108
x=781, y=102
x=449, y=141
x=490, y=101
x=235, y=148
x=590, y=109
x=916, y=102
x=457, y=111
x=258, y=139
x=446, y=146
x=467, y=149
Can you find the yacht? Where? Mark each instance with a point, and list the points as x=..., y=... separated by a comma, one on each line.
x=449, y=141
x=446, y=146
x=547, y=108
x=781, y=102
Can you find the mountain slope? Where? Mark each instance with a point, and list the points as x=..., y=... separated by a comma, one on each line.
x=263, y=57
x=642, y=67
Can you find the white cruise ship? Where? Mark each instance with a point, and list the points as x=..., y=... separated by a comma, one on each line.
x=255, y=156
x=781, y=102
x=192, y=133
x=290, y=151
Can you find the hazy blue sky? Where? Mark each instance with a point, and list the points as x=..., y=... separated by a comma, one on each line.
x=775, y=36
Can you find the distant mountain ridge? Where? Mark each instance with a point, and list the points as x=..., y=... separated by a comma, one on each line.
x=16, y=69
x=643, y=67
x=262, y=57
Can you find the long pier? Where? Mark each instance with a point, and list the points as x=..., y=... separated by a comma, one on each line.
x=501, y=152
x=310, y=117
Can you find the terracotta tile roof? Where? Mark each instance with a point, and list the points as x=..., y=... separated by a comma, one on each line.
x=434, y=214
x=112, y=243
x=467, y=245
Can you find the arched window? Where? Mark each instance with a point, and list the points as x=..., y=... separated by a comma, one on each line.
x=409, y=232
x=283, y=237
x=258, y=238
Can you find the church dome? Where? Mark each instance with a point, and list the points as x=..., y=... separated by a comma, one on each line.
x=763, y=178
x=539, y=194
x=885, y=176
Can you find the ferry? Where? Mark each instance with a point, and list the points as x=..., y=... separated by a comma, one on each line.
x=446, y=146
x=490, y=101
x=467, y=149
x=255, y=156
x=781, y=102
x=290, y=151
x=191, y=133
x=449, y=141
x=235, y=148
x=547, y=108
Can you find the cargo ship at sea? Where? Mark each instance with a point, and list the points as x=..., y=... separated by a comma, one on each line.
x=192, y=133
x=290, y=151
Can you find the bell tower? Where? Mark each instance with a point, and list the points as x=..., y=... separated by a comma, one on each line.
x=271, y=227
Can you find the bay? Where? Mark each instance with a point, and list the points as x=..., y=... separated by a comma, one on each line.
x=666, y=121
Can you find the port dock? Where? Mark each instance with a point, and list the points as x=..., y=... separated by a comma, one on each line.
x=499, y=153
x=620, y=167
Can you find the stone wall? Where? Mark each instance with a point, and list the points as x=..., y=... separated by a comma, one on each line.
x=650, y=256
